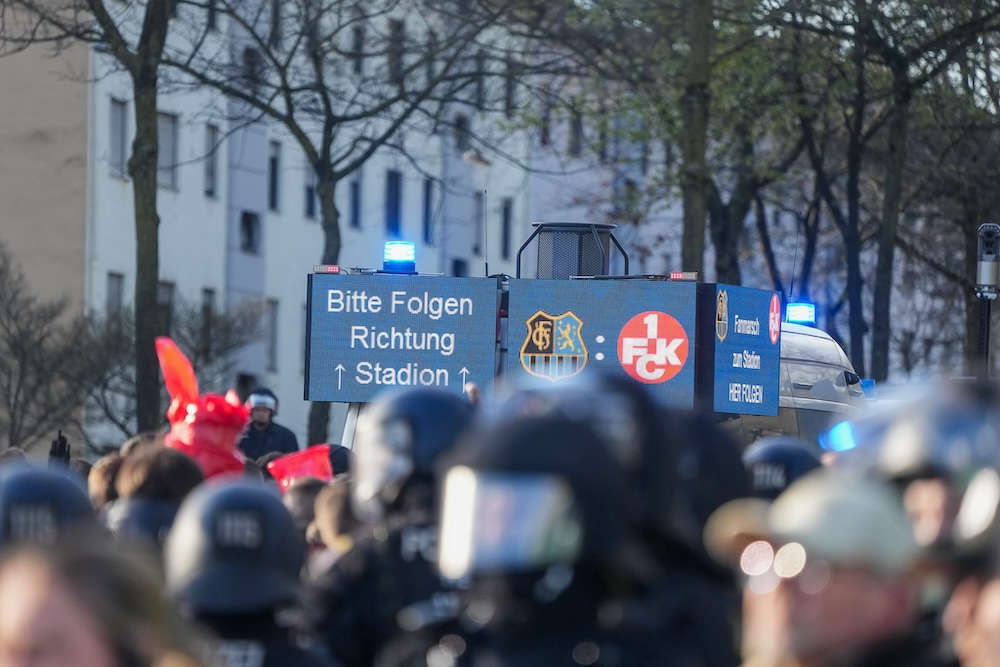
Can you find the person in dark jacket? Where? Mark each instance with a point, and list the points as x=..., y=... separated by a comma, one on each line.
x=262, y=434
x=387, y=578
x=232, y=560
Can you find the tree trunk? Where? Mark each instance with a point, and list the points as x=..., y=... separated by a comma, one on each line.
x=765, y=244
x=851, y=233
x=694, y=109
x=881, y=317
x=142, y=170
x=326, y=188
x=809, y=254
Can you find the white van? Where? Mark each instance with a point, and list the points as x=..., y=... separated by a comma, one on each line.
x=818, y=387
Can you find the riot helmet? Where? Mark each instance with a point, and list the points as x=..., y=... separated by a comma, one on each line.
x=143, y=520
x=535, y=492
x=39, y=504
x=233, y=549
x=399, y=438
x=775, y=462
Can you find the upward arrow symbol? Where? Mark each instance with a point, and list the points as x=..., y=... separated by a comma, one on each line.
x=340, y=372
x=465, y=374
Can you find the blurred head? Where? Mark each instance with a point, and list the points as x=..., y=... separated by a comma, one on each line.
x=400, y=437
x=12, y=454
x=81, y=467
x=300, y=500
x=263, y=406
x=335, y=521
x=530, y=494
x=40, y=504
x=233, y=549
x=973, y=612
x=102, y=479
x=828, y=567
x=775, y=462
x=158, y=473
x=262, y=464
x=340, y=459
x=85, y=603
x=140, y=441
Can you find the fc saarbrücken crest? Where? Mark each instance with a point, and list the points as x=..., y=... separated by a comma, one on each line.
x=553, y=347
x=722, y=316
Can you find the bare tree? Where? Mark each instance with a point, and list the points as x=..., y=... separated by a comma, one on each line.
x=346, y=79
x=44, y=366
x=210, y=339
x=134, y=34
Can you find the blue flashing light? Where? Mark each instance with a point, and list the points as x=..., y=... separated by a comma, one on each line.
x=801, y=313
x=840, y=438
x=399, y=257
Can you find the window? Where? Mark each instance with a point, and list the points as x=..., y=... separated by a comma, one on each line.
x=355, y=219
x=211, y=160
x=510, y=88
x=396, y=37
x=429, y=64
x=272, y=335
x=273, y=175
x=165, y=305
x=459, y=268
x=358, y=48
x=207, y=316
x=478, y=220
x=480, y=77
x=166, y=167
x=428, y=211
x=462, y=141
x=253, y=67
x=211, y=20
x=250, y=232
x=115, y=294
x=119, y=137
x=576, y=133
x=393, y=195
x=505, y=227
x=275, y=37
x=310, y=192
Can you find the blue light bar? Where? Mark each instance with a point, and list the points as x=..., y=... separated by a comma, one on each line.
x=840, y=438
x=801, y=313
x=399, y=257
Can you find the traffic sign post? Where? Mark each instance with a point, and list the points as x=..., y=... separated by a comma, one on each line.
x=366, y=333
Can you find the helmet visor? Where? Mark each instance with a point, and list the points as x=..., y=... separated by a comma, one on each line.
x=382, y=462
x=505, y=522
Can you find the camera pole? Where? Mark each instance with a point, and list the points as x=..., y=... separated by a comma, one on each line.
x=987, y=282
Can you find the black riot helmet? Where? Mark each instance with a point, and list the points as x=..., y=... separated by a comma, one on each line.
x=399, y=439
x=619, y=409
x=532, y=493
x=40, y=504
x=775, y=462
x=233, y=549
x=143, y=520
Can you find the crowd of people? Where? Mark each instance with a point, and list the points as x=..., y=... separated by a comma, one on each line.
x=578, y=523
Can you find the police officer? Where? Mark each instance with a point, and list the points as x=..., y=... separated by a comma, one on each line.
x=40, y=505
x=682, y=467
x=775, y=462
x=532, y=520
x=232, y=560
x=262, y=435
x=387, y=582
